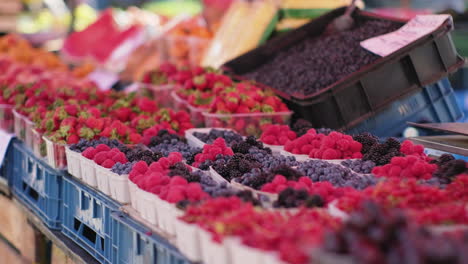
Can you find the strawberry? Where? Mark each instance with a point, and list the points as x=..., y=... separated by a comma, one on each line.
x=73, y=139
x=71, y=110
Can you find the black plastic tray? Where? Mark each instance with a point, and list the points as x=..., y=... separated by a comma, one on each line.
x=349, y=101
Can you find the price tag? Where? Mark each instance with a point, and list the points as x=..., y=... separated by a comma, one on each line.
x=103, y=79
x=5, y=140
x=415, y=29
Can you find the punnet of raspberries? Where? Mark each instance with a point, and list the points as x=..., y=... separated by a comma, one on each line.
x=319, y=146
x=105, y=156
x=277, y=135
x=406, y=167
x=210, y=152
x=156, y=179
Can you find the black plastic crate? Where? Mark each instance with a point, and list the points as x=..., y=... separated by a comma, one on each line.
x=349, y=101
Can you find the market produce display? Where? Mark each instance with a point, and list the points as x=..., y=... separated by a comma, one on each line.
x=216, y=164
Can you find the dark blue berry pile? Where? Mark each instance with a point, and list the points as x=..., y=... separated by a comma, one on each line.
x=337, y=175
x=164, y=137
x=112, y=143
x=269, y=161
x=229, y=136
x=174, y=145
x=359, y=166
x=122, y=169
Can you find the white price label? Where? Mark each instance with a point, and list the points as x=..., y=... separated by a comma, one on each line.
x=5, y=140
x=415, y=29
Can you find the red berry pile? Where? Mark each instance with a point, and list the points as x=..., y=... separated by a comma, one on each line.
x=408, y=148
x=406, y=167
x=105, y=156
x=325, y=189
x=277, y=135
x=287, y=234
x=210, y=152
x=154, y=178
x=319, y=146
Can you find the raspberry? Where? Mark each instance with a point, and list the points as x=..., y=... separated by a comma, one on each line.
x=306, y=148
x=279, y=179
x=89, y=153
x=140, y=167
x=102, y=147
x=100, y=157
x=108, y=163
x=175, y=157
x=177, y=180
x=156, y=167
x=175, y=195
x=329, y=154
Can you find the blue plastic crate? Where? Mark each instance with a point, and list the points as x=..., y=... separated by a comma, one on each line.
x=135, y=243
x=434, y=104
x=36, y=184
x=87, y=218
x=5, y=167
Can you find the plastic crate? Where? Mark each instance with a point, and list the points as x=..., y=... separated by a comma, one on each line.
x=37, y=185
x=346, y=103
x=134, y=243
x=435, y=103
x=87, y=219
x=459, y=79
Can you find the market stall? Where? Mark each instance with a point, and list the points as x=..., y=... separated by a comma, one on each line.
x=234, y=139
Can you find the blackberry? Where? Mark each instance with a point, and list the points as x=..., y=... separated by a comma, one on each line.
x=442, y=159
x=244, y=146
x=248, y=197
x=447, y=171
x=235, y=167
x=141, y=153
x=382, y=154
x=291, y=198
x=286, y=171
x=179, y=169
x=255, y=179
x=301, y=126
x=367, y=140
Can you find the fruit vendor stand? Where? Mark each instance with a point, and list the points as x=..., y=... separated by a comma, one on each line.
x=326, y=133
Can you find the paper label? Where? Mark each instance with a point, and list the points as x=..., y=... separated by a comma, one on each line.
x=5, y=140
x=416, y=28
x=103, y=79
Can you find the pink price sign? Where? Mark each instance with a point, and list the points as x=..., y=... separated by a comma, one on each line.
x=415, y=29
